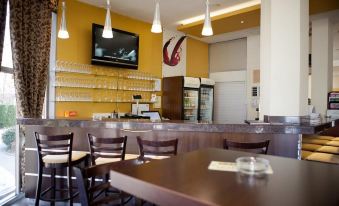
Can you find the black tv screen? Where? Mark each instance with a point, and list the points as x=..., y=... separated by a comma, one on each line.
x=120, y=51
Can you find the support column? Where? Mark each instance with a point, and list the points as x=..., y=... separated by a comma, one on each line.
x=284, y=57
x=322, y=63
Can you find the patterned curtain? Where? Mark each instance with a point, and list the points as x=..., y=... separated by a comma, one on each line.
x=30, y=25
x=54, y=5
x=3, y=11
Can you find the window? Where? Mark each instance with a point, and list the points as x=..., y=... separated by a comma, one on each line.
x=7, y=60
x=7, y=122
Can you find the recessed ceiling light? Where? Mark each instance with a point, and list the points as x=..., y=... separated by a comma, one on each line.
x=242, y=22
x=221, y=11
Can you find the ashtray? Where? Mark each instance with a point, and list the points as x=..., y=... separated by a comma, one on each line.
x=252, y=165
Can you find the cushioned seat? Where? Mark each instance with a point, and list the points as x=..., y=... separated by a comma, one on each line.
x=335, y=139
x=315, y=141
x=305, y=154
x=333, y=143
x=329, y=149
x=311, y=147
x=102, y=160
x=323, y=157
x=157, y=157
x=58, y=159
x=319, y=137
x=131, y=156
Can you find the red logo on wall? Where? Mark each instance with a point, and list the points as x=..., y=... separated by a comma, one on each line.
x=175, y=57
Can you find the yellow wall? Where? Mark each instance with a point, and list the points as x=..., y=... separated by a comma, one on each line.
x=77, y=49
x=197, y=58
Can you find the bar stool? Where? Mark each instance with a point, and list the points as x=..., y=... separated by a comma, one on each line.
x=55, y=152
x=263, y=146
x=107, y=150
x=151, y=149
x=157, y=149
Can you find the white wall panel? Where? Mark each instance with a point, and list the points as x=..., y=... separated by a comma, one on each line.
x=230, y=102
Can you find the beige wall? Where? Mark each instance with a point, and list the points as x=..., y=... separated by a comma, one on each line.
x=336, y=58
x=336, y=78
x=228, y=56
x=336, y=43
x=253, y=63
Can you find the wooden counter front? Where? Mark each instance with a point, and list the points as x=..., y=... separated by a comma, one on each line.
x=285, y=140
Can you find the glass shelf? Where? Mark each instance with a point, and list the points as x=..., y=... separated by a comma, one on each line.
x=88, y=69
x=142, y=102
x=96, y=84
x=134, y=90
x=105, y=75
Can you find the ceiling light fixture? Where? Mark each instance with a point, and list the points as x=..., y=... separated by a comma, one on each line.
x=63, y=33
x=221, y=11
x=156, y=26
x=207, y=29
x=108, y=33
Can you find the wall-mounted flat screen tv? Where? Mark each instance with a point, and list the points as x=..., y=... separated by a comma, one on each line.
x=120, y=51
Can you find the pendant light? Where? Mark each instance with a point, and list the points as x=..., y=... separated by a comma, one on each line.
x=108, y=33
x=207, y=29
x=63, y=33
x=156, y=27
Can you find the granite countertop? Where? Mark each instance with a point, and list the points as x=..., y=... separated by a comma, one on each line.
x=183, y=126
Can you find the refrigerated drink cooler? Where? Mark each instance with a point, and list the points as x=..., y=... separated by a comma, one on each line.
x=181, y=98
x=191, y=101
x=206, y=99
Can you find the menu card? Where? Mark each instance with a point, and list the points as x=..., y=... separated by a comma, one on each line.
x=229, y=167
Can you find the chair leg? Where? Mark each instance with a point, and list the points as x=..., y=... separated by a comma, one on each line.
x=70, y=187
x=106, y=179
x=38, y=188
x=121, y=199
x=139, y=202
x=87, y=160
x=53, y=186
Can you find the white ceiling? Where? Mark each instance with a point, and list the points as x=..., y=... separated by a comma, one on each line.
x=172, y=11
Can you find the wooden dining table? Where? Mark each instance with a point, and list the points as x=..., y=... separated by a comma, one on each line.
x=185, y=180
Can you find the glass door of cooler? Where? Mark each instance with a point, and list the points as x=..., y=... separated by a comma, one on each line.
x=333, y=100
x=191, y=102
x=206, y=103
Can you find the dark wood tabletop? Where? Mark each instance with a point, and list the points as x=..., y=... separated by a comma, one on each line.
x=186, y=180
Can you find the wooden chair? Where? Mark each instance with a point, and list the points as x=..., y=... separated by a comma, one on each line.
x=95, y=193
x=157, y=149
x=107, y=150
x=247, y=145
x=55, y=152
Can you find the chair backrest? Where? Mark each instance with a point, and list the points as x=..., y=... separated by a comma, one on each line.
x=157, y=148
x=91, y=191
x=107, y=147
x=247, y=145
x=54, y=145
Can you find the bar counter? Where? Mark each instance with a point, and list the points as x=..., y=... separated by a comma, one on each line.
x=182, y=126
x=285, y=139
